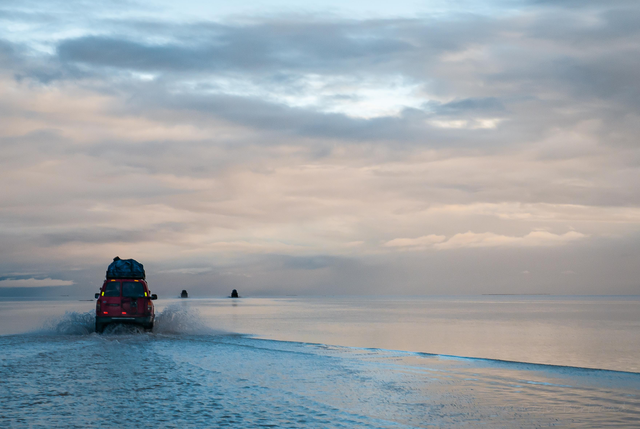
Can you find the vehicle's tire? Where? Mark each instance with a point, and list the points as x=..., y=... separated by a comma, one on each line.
x=99, y=327
x=149, y=327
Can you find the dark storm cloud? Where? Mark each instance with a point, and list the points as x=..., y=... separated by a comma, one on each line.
x=264, y=115
x=275, y=48
x=109, y=52
x=409, y=46
x=257, y=48
x=469, y=105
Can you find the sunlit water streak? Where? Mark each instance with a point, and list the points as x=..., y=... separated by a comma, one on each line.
x=186, y=374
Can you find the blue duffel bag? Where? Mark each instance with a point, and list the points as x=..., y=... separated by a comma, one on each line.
x=125, y=269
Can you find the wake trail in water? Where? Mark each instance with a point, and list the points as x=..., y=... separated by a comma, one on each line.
x=179, y=320
x=173, y=320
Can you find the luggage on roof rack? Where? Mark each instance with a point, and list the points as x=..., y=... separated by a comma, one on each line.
x=125, y=269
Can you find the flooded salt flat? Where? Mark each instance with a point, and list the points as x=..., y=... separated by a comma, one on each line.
x=210, y=363
x=128, y=379
x=592, y=332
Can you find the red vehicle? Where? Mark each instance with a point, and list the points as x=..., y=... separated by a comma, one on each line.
x=125, y=301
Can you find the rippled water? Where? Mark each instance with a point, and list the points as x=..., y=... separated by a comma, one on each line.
x=194, y=372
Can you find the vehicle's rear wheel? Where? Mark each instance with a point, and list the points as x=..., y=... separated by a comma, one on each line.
x=148, y=328
x=99, y=327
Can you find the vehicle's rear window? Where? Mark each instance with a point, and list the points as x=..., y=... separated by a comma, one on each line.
x=133, y=289
x=112, y=289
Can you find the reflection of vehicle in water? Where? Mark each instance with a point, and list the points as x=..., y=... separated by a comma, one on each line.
x=124, y=298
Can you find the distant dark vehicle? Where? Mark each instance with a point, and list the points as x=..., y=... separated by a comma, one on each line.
x=234, y=294
x=184, y=294
x=124, y=296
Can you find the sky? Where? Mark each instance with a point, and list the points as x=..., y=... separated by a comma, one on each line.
x=409, y=148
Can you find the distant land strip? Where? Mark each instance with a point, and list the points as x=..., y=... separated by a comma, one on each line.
x=516, y=294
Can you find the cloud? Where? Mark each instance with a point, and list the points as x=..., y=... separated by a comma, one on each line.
x=486, y=239
x=489, y=239
x=275, y=46
x=461, y=77
x=32, y=282
x=320, y=149
x=487, y=105
x=416, y=243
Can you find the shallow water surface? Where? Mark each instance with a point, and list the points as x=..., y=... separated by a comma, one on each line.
x=197, y=369
x=126, y=379
x=591, y=332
